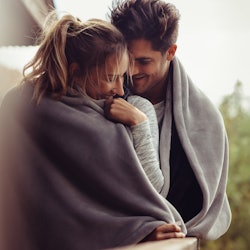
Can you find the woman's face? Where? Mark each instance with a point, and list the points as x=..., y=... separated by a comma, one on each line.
x=111, y=82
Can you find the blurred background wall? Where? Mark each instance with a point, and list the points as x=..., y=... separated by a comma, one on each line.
x=20, y=23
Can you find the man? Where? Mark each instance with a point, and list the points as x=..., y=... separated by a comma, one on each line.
x=193, y=140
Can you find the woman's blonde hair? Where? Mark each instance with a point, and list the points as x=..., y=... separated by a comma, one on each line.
x=69, y=40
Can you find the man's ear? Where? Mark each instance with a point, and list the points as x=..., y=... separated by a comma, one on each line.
x=171, y=52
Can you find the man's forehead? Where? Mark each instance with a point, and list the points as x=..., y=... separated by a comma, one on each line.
x=141, y=48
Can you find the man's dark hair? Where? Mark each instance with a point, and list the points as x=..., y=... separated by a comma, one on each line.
x=152, y=20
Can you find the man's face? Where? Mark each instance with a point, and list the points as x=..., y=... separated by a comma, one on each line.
x=150, y=70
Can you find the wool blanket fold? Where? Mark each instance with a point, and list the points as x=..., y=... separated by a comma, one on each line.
x=70, y=179
x=202, y=133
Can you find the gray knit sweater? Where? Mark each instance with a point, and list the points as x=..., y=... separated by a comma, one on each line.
x=146, y=141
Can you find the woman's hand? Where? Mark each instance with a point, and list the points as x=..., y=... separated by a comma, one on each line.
x=119, y=110
x=163, y=232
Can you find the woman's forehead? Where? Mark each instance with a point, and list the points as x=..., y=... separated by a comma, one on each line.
x=117, y=64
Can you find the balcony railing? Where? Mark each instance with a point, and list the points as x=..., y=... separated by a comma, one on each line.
x=188, y=243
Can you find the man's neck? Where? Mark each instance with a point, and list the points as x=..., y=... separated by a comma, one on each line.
x=158, y=94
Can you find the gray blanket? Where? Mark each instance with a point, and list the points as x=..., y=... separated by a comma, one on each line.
x=203, y=136
x=70, y=179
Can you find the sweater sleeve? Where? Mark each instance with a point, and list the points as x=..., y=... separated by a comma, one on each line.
x=146, y=141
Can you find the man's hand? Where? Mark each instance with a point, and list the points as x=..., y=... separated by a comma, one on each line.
x=119, y=110
x=163, y=232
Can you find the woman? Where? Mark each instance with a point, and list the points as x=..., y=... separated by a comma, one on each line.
x=90, y=62
x=74, y=180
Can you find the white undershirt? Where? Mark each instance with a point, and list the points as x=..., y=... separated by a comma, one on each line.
x=159, y=109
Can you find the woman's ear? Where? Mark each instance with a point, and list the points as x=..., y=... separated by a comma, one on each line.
x=171, y=52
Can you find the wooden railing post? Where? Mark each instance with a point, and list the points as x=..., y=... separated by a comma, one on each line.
x=188, y=243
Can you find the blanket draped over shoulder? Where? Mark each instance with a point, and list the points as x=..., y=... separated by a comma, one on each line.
x=203, y=137
x=70, y=178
